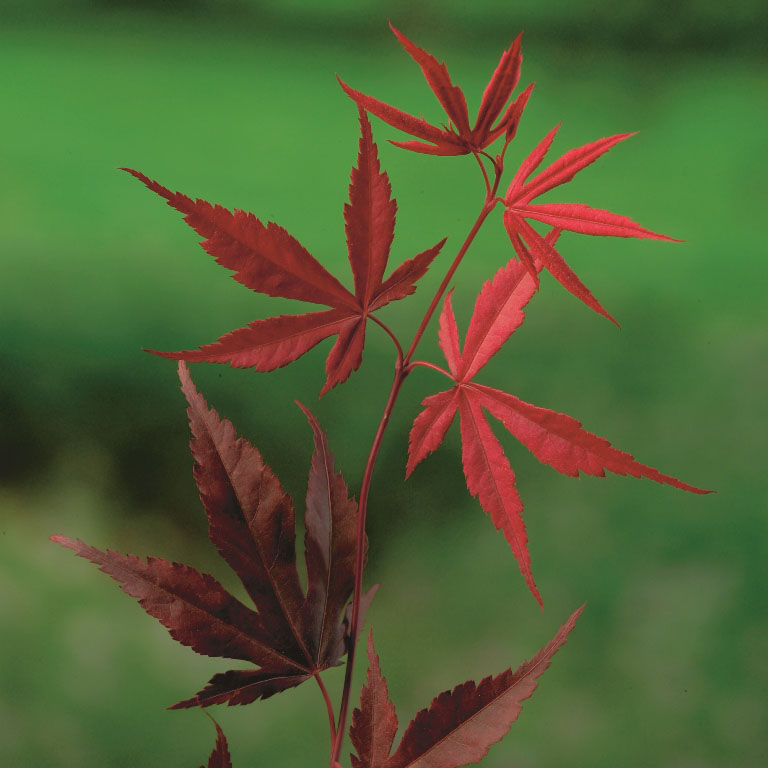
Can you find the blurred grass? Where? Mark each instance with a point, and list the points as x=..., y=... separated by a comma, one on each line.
x=667, y=666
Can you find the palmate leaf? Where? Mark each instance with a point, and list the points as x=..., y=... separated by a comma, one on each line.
x=458, y=727
x=268, y=260
x=292, y=635
x=553, y=438
x=571, y=216
x=458, y=138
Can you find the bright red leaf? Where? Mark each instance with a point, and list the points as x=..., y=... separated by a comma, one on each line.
x=458, y=727
x=457, y=138
x=291, y=635
x=571, y=216
x=553, y=438
x=268, y=260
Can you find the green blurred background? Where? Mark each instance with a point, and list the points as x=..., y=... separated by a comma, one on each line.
x=236, y=101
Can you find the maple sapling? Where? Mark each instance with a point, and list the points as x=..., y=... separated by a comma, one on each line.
x=293, y=633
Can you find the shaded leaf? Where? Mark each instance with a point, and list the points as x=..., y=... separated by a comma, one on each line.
x=293, y=635
x=193, y=606
x=460, y=725
x=220, y=756
x=242, y=686
x=374, y=724
x=331, y=543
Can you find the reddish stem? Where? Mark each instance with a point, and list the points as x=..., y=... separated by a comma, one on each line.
x=402, y=369
x=360, y=556
x=432, y=366
x=392, y=336
x=328, y=705
x=488, y=206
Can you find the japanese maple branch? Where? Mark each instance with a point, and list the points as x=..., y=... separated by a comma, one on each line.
x=360, y=555
x=402, y=368
x=489, y=204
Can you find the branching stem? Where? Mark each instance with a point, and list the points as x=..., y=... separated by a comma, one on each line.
x=425, y=364
x=328, y=706
x=402, y=368
x=392, y=336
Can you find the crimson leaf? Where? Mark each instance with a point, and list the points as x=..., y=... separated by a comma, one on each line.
x=553, y=438
x=292, y=635
x=458, y=727
x=458, y=138
x=571, y=216
x=268, y=260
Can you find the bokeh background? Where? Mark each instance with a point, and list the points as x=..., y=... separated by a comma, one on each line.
x=236, y=101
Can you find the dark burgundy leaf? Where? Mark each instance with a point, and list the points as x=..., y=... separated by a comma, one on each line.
x=460, y=725
x=250, y=517
x=374, y=724
x=331, y=536
x=193, y=606
x=242, y=686
x=220, y=756
x=251, y=522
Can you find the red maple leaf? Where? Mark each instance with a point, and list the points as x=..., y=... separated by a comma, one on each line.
x=458, y=727
x=570, y=216
x=553, y=438
x=457, y=138
x=292, y=635
x=268, y=260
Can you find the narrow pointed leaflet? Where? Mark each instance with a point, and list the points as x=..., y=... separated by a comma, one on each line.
x=220, y=756
x=457, y=138
x=553, y=438
x=574, y=217
x=292, y=635
x=458, y=727
x=374, y=724
x=268, y=260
